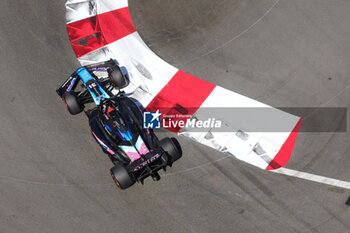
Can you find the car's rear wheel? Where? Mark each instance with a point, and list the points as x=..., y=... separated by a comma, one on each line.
x=172, y=147
x=121, y=177
x=72, y=102
x=117, y=78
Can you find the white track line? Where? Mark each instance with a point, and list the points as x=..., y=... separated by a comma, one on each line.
x=312, y=177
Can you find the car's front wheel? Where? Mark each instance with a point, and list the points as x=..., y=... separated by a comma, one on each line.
x=72, y=102
x=117, y=78
x=121, y=177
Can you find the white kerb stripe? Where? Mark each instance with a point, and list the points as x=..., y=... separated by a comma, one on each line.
x=81, y=9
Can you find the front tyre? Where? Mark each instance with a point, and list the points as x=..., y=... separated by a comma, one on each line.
x=121, y=177
x=172, y=147
x=117, y=78
x=72, y=102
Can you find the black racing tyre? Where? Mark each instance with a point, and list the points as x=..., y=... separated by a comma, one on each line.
x=172, y=147
x=117, y=78
x=73, y=105
x=121, y=177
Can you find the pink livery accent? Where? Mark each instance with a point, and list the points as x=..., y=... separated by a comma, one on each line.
x=131, y=151
x=103, y=145
x=133, y=156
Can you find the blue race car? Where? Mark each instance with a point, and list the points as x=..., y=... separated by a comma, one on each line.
x=116, y=123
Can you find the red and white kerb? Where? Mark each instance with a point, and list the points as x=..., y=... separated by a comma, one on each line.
x=102, y=29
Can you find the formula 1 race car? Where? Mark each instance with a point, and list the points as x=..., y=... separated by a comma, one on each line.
x=116, y=123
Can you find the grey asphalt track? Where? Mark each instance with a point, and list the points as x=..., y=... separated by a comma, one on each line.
x=289, y=53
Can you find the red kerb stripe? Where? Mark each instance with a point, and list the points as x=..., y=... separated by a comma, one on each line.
x=182, y=96
x=92, y=33
x=283, y=156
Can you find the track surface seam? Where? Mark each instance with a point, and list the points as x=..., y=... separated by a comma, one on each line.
x=236, y=37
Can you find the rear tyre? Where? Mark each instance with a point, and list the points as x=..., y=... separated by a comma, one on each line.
x=172, y=147
x=121, y=177
x=72, y=102
x=117, y=78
